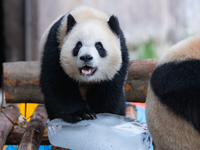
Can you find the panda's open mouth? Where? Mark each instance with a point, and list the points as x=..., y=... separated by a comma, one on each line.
x=87, y=70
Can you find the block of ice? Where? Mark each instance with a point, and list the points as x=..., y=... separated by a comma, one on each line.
x=107, y=132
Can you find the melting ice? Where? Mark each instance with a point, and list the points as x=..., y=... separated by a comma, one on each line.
x=107, y=132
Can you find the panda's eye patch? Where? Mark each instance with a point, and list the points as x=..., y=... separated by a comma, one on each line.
x=78, y=45
x=77, y=48
x=98, y=46
x=100, y=49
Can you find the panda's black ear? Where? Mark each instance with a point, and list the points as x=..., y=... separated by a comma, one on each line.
x=71, y=22
x=114, y=25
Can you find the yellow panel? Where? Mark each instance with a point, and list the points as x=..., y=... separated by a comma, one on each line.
x=30, y=108
x=4, y=146
x=22, y=108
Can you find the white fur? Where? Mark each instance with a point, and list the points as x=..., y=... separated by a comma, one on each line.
x=91, y=27
x=183, y=50
x=89, y=32
x=81, y=13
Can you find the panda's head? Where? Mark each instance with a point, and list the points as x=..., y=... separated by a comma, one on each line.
x=91, y=50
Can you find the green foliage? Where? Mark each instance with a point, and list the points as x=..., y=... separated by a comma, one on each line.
x=146, y=50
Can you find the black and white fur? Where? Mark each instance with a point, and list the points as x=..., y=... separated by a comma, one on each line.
x=173, y=100
x=84, y=65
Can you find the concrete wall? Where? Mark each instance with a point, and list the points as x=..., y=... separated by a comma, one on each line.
x=165, y=21
x=162, y=20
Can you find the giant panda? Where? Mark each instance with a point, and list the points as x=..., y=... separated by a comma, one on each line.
x=84, y=65
x=173, y=99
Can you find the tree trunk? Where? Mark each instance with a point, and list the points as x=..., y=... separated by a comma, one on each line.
x=16, y=134
x=21, y=81
x=32, y=137
x=138, y=77
x=8, y=117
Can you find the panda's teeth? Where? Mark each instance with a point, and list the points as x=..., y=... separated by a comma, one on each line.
x=87, y=70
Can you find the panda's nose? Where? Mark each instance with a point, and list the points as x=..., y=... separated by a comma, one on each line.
x=86, y=58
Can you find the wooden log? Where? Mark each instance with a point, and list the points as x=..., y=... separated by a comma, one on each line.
x=32, y=137
x=131, y=111
x=8, y=117
x=21, y=81
x=16, y=134
x=137, y=82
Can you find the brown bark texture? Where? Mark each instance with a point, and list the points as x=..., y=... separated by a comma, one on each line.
x=8, y=117
x=137, y=83
x=21, y=81
x=16, y=134
x=32, y=137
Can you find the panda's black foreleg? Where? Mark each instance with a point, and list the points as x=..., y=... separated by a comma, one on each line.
x=68, y=108
x=63, y=98
x=106, y=98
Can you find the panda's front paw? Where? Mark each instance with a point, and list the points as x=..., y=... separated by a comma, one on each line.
x=80, y=115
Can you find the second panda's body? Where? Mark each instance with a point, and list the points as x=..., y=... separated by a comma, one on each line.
x=84, y=65
x=173, y=100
